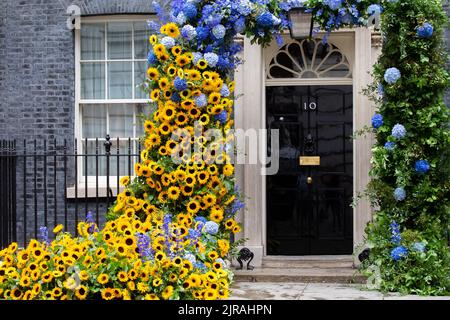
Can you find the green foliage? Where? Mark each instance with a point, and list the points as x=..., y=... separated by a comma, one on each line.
x=416, y=102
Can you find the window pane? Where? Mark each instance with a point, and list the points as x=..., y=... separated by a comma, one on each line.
x=119, y=80
x=122, y=162
x=93, y=121
x=119, y=40
x=94, y=165
x=121, y=120
x=93, y=41
x=93, y=80
x=141, y=43
x=140, y=69
x=141, y=110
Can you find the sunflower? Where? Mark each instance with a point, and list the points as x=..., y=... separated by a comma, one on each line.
x=153, y=73
x=70, y=283
x=16, y=294
x=182, y=60
x=173, y=193
x=37, y=253
x=47, y=277
x=81, y=292
x=165, y=128
x=202, y=64
x=214, y=98
x=167, y=94
x=58, y=228
x=185, y=94
x=167, y=293
x=194, y=75
x=193, y=206
x=84, y=275
x=151, y=296
x=181, y=119
x=163, y=83
x=157, y=282
x=187, y=190
x=159, y=49
x=176, y=50
x=129, y=241
x=194, y=113
x=236, y=229
x=171, y=71
x=187, y=104
x=107, y=294
x=57, y=292
x=204, y=119
x=228, y=170
x=154, y=95
x=23, y=256
x=190, y=180
x=154, y=139
x=170, y=29
x=25, y=282
x=103, y=278
x=229, y=224
x=209, y=199
x=176, y=262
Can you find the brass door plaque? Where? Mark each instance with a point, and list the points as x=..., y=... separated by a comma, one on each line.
x=310, y=161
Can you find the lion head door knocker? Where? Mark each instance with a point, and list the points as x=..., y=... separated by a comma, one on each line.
x=309, y=144
x=245, y=254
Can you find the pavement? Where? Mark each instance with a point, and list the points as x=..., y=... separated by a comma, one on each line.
x=313, y=291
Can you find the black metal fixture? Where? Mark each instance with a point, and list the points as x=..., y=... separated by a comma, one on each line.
x=301, y=23
x=246, y=255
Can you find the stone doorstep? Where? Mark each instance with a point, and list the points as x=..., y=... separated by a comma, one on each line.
x=329, y=269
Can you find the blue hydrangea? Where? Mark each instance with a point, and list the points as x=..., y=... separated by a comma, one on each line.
x=219, y=31
x=190, y=11
x=211, y=58
x=374, y=8
x=180, y=18
x=175, y=97
x=222, y=117
x=201, y=219
x=168, y=42
x=201, y=101
x=399, y=253
x=425, y=31
x=377, y=120
x=202, y=33
x=380, y=90
x=243, y=7
x=389, y=145
x=265, y=20
x=333, y=4
x=190, y=257
x=422, y=166
x=399, y=194
x=396, y=237
x=392, y=75
x=197, y=56
x=419, y=246
x=211, y=227
x=43, y=235
x=224, y=92
x=180, y=84
x=239, y=25
x=188, y=32
x=398, y=131
x=151, y=58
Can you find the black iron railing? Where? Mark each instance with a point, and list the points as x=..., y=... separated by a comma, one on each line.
x=46, y=183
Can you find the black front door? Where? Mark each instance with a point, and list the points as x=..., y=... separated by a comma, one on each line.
x=308, y=203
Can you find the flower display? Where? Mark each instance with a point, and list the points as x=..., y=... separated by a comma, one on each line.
x=399, y=194
x=377, y=121
x=396, y=237
x=422, y=166
x=389, y=146
x=425, y=31
x=398, y=253
x=398, y=131
x=392, y=75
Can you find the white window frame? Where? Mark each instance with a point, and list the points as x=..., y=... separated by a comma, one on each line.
x=80, y=180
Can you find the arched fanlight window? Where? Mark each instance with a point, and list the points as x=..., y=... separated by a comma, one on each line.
x=309, y=60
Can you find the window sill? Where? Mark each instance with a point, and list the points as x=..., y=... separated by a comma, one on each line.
x=92, y=192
